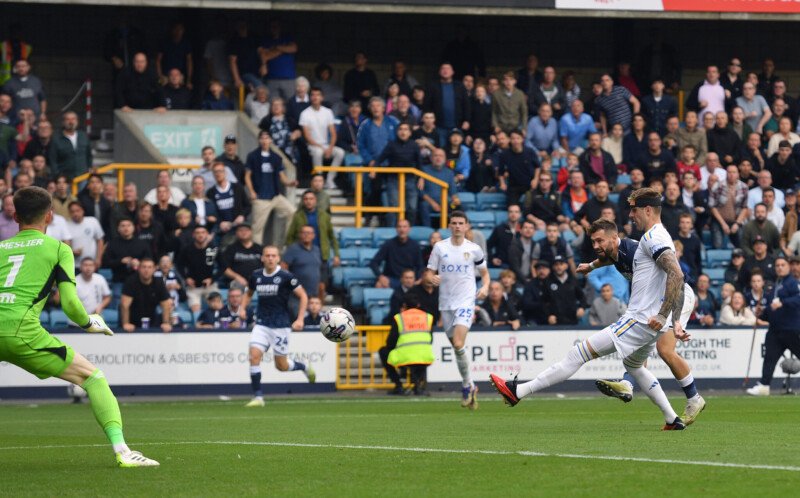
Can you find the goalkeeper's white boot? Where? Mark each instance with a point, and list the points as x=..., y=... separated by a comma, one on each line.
x=693, y=408
x=131, y=459
x=758, y=390
x=257, y=401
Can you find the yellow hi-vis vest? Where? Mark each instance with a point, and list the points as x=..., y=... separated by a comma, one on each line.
x=414, y=344
x=6, y=58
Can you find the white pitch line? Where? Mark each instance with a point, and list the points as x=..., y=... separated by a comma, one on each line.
x=535, y=454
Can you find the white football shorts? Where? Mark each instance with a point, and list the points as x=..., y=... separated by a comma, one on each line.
x=458, y=316
x=264, y=337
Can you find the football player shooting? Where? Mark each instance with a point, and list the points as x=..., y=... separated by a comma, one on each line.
x=634, y=336
x=273, y=286
x=611, y=250
x=30, y=263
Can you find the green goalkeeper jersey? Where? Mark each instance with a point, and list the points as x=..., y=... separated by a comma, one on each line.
x=30, y=264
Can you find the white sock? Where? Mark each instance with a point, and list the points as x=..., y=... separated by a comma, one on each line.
x=650, y=385
x=558, y=372
x=290, y=363
x=121, y=448
x=463, y=367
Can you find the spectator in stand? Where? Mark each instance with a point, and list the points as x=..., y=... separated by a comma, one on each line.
x=658, y=107
x=8, y=225
x=402, y=152
x=591, y=210
x=41, y=142
x=215, y=51
x=347, y=133
x=449, y=102
x=616, y=104
x=518, y=168
x=216, y=315
x=533, y=297
x=396, y=255
x=755, y=107
x=26, y=90
x=738, y=124
x=790, y=234
x=746, y=174
x=575, y=127
x=634, y=145
x=313, y=313
x=520, y=251
x=240, y=259
x=87, y=235
x=141, y=295
x=596, y=164
x=509, y=106
x=92, y=288
x=757, y=296
x=548, y=91
x=729, y=211
x=215, y=99
x=760, y=228
x=95, y=204
x=151, y=231
x=257, y=104
x=173, y=281
x=613, y=145
x=399, y=75
x=784, y=133
x=62, y=196
x=427, y=294
x=299, y=102
x=277, y=57
x=783, y=167
x=125, y=252
x=373, y=136
x=482, y=175
x=243, y=58
x=204, y=212
x=790, y=103
x=530, y=75
x=693, y=135
x=303, y=259
x=759, y=259
x=673, y=209
x=177, y=95
x=176, y=195
x=688, y=164
x=264, y=177
x=205, y=171
x=325, y=238
x=564, y=298
x=543, y=204
x=498, y=311
x=511, y=290
x=458, y=157
x=708, y=95
x=774, y=213
x=403, y=112
x=281, y=128
x=230, y=200
x=138, y=87
x=574, y=197
x=707, y=305
x=552, y=246
x=737, y=313
x=733, y=273
x=542, y=133
x=323, y=198
x=692, y=245
x=724, y=141
x=407, y=279
x=360, y=82
x=431, y=194
x=196, y=262
x=732, y=82
x=319, y=132
x=163, y=211
x=502, y=237
x=175, y=53
x=231, y=160
x=712, y=175
x=481, y=113
x=71, y=151
x=606, y=309
x=234, y=305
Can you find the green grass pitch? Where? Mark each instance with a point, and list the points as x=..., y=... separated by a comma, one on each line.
x=381, y=446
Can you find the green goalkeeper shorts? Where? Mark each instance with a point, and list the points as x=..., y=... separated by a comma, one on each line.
x=43, y=355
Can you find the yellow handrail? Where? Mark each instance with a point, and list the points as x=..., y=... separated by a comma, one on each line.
x=681, y=109
x=358, y=208
x=367, y=340
x=121, y=168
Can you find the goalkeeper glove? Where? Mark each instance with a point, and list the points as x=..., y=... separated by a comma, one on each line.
x=97, y=325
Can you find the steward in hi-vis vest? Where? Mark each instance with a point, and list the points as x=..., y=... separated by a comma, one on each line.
x=409, y=345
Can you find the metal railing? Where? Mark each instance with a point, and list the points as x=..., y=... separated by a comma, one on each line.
x=360, y=209
x=121, y=168
x=358, y=365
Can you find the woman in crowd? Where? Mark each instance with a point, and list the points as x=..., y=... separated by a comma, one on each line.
x=736, y=312
x=482, y=175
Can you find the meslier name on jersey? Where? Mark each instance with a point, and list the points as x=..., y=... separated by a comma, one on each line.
x=18, y=244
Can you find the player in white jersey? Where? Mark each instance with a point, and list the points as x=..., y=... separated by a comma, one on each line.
x=455, y=260
x=613, y=251
x=656, y=292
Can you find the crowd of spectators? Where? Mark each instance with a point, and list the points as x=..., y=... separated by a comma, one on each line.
x=561, y=155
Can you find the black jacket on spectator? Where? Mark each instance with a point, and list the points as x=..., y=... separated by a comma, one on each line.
x=735, y=87
x=593, y=208
x=692, y=251
x=505, y=313
x=734, y=276
x=787, y=316
x=356, y=81
x=155, y=238
x=524, y=80
x=166, y=217
x=177, y=98
x=401, y=154
x=533, y=304
x=139, y=90
x=241, y=259
x=783, y=175
x=725, y=142
x=609, y=169
x=500, y=241
x=101, y=211
x=767, y=266
x=656, y=113
x=197, y=263
x=536, y=98
x=293, y=110
x=146, y=297
x=226, y=212
x=117, y=250
x=545, y=206
x=563, y=299
x=482, y=174
x=429, y=302
x=397, y=256
x=433, y=100
x=516, y=252
x=633, y=149
x=670, y=217
x=35, y=148
x=521, y=167
x=548, y=252
x=656, y=166
x=480, y=120
x=235, y=164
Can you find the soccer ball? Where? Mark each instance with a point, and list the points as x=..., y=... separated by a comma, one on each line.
x=77, y=393
x=337, y=325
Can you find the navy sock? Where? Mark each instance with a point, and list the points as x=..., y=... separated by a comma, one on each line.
x=255, y=380
x=690, y=390
x=629, y=378
x=299, y=365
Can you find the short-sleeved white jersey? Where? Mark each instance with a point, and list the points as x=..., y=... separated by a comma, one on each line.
x=649, y=281
x=456, y=266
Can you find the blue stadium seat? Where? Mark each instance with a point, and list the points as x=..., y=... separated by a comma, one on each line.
x=377, y=297
x=716, y=292
x=224, y=294
x=421, y=234
x=568, y=236
x=445, y=233
x=491, y=200
x=539, y=235
x=358, y=276
x=381, y=235
x=717, y=276
x=355, y=237
x=365, y=255
x=337, y=276
x=500, y=217
x=111, y=316
x=106, y=273
x=494, y=273
x=44, y=318
x=487, y=232
x=58, y=319
x=349, y=256
x=356, y=296
x=624, y=179
x=481, y=219
x=613, y=197
x=378, y=314
x=706, y=237
x=718, y=258
x=186, y=315
x=468, y=200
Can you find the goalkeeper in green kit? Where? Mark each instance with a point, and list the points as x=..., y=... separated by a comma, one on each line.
x=30, y=264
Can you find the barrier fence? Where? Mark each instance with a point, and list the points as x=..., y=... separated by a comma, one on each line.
x=121, y=168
